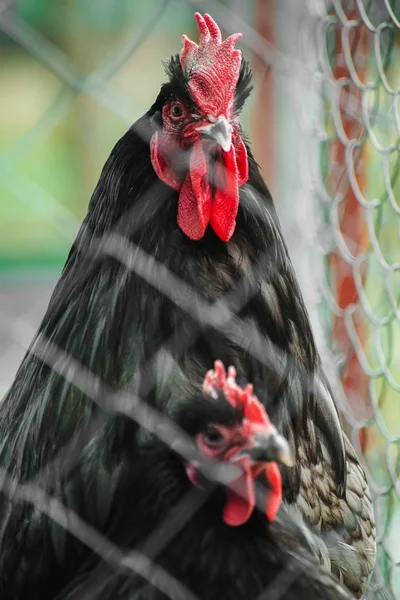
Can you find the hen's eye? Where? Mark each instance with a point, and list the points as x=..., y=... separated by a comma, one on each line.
x=213, y=437
x=176, y=110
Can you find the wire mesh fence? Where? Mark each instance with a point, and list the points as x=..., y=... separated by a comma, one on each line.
x=349, y=178
x=324, y=122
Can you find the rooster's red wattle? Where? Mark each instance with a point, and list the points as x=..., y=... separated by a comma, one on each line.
x=208, y=185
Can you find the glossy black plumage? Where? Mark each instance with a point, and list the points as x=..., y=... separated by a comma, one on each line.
x=206, y=559
x=113, y=322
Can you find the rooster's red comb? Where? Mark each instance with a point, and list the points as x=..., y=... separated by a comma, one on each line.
x=217, y=381
x=212, y=67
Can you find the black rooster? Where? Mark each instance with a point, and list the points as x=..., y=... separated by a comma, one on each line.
x=211, y=556
x=182, y=191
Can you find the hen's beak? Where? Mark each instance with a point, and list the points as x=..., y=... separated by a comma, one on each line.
x=270, y=448
x=219, y=132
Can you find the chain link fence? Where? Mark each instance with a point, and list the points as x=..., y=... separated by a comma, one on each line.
x=341, y=207
x=324, y=120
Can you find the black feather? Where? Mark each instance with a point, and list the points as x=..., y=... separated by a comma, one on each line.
x=202, y=410
x=205, y=557
x=177, y=86
x=243, y=87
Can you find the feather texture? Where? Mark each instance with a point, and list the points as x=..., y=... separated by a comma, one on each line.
x=206, y=559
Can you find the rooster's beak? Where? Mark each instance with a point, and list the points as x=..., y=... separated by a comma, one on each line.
x=219, y=132
x=270, y=448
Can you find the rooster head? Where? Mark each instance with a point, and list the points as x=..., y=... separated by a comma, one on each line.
x=198, y=148
x=232, y=426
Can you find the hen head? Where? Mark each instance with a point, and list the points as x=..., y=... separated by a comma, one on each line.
x=198, y=148
x=229, y=424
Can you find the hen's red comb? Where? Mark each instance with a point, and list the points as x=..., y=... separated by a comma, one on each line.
x=217, y=381
x=212, y=67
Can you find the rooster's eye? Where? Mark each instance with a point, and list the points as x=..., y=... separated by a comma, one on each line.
x=213, y=437
x=176, y=110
